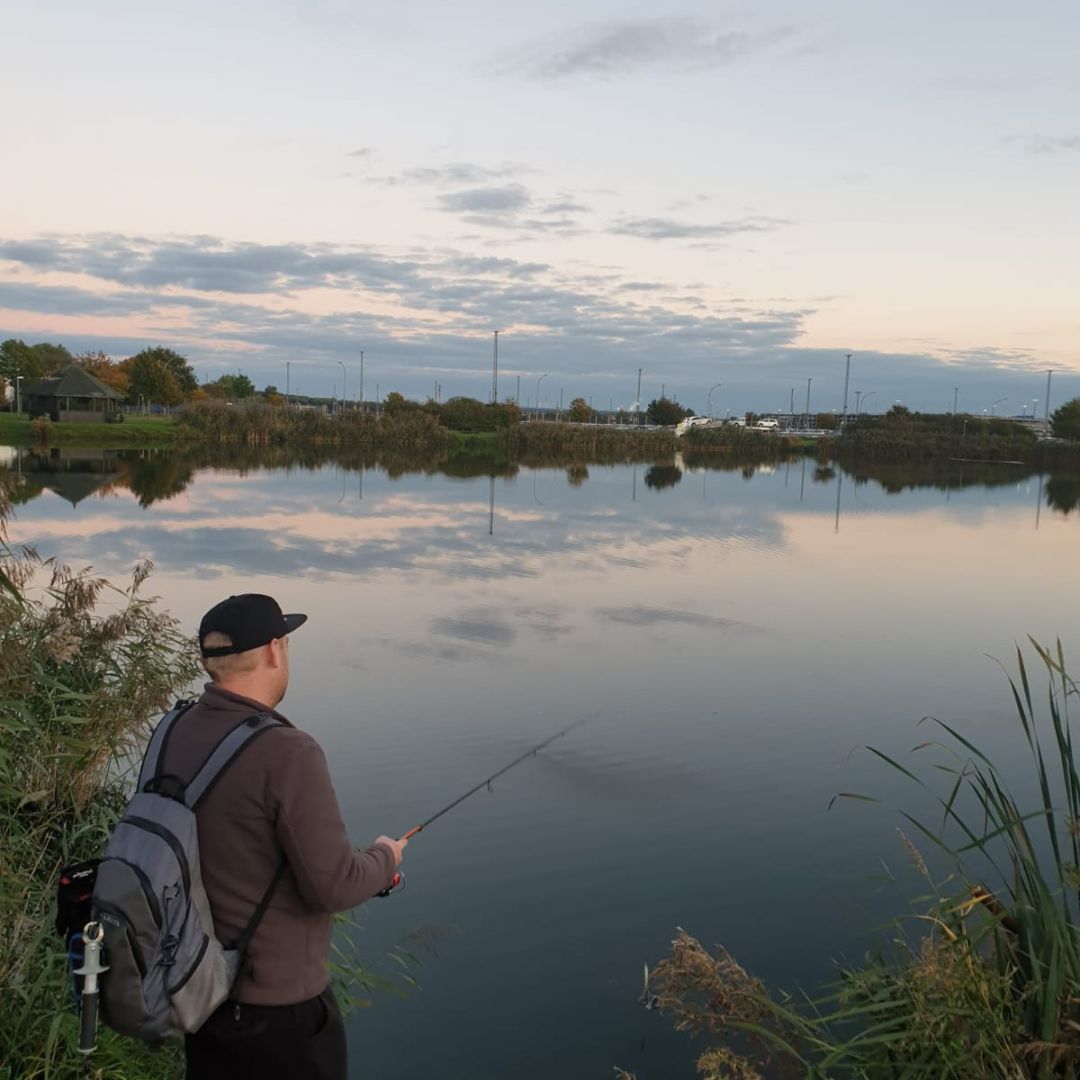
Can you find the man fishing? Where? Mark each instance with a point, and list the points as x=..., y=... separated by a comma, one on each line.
x=270, y=833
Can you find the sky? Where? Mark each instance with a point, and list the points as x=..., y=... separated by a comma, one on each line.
x=733, y=194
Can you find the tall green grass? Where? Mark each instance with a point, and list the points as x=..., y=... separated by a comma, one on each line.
x=83, y=665
x=985, y=981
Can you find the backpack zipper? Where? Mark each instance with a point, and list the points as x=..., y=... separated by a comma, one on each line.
x=160, y=831
x=178, y=986
x=144, y=881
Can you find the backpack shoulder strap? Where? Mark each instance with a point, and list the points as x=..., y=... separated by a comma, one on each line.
x=156, y=747
x=224, y=754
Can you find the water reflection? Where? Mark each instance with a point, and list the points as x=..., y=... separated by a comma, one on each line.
x=740, y=637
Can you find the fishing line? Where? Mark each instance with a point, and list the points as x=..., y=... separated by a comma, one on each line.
x=399, y=878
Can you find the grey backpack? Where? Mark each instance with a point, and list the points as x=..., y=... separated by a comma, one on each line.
x=167, y=971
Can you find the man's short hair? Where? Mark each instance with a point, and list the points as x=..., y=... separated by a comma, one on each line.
x=225, y=667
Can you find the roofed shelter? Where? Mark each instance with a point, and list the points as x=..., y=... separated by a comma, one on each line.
x=74, y=394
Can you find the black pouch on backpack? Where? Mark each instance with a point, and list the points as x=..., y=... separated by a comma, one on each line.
x=74, y=894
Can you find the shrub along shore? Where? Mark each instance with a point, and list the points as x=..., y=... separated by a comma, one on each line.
x=465, y=425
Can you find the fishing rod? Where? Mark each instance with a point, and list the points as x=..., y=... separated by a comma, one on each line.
x=398, y=877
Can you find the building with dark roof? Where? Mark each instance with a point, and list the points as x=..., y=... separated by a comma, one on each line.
x=74, y=394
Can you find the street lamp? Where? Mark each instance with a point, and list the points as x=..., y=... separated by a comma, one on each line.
x=865, y=398
x=995, y=404
x=708, y=408
x=344, y=383
x=18, y=393
x=538, y=382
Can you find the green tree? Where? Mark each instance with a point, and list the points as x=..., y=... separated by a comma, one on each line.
x=395, y=403
x=231, y=388
x=580, y=413
x=665, y=412
x=1065, y=422
x=18, y=358
x=53, y=358
x=178, y=366
x=150, y=380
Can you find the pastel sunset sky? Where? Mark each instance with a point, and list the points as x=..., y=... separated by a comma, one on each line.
x=716, y=193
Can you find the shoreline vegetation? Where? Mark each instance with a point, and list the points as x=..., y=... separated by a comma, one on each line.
x=465, y=426
x=982, y=980
x=83, y=666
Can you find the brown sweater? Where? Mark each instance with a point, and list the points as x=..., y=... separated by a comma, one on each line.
x=275, y=799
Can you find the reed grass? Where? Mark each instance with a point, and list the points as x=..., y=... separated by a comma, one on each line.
x=257, y=424
x=83, y=665
x=984, y=982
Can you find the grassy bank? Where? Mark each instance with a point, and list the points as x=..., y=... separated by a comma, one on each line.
x=15, y=430
x=983, y=982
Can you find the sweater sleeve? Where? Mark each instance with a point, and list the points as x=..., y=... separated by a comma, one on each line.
x=330, y=874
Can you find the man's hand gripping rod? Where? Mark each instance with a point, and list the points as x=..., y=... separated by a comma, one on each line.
x=398, y=877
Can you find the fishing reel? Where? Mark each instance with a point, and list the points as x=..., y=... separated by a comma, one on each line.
x=397, y=883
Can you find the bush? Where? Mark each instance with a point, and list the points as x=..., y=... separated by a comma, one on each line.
x=41, y=430
x=1065, y=422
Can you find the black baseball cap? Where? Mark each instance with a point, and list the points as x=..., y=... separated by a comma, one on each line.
x=250, y=620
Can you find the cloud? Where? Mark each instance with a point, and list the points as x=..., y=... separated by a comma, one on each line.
x=487, y=200
x=512, y=206
x=476, y=628
x=660, y=228
x=638, y=615
x=456, y=172
x=1047, y=144
x=426, y=315
x=622, y=47
x=361, y=152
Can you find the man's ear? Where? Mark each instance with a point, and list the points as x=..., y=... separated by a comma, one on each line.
x=274, y=652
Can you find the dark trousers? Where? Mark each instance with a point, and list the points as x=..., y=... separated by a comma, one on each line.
x=305, y=1041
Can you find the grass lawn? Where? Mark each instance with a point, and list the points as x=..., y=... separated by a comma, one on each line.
x=134, y=431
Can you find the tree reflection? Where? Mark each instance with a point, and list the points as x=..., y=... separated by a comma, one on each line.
x=576, y=475
x=663, y=476
x=1063, y=492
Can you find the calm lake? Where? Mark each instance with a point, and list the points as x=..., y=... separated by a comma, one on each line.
x=737, y=634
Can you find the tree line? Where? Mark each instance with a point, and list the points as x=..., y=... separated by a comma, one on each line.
x=155, y=375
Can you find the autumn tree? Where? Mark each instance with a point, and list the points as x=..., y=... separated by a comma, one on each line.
x=580, y=412
x=104, y=367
